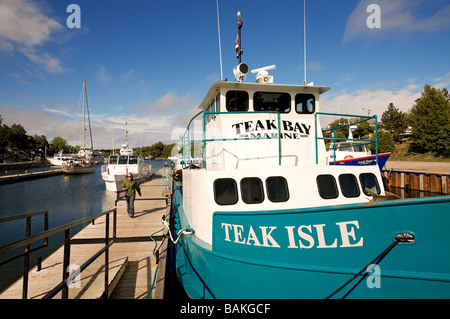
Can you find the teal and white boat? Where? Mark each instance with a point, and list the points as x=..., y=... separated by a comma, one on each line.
x=262, y=214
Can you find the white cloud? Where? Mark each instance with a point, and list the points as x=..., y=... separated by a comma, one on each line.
x=398, y=17
x=25, y=28
x=375, y=101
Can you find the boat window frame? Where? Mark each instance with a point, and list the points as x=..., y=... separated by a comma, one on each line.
x=321, y=187
x=269, y=192
x=305, y=94
x=133, y=157
x=377, y=184
x=270, y=109
x=122, y=156
x=228, y=107
x=244, y=189
x=112, y=156
x=236, y=196
x=344, y=189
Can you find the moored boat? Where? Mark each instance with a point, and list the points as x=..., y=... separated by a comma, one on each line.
x=350, y=152
x=118, y=166
x=83, y=162
x=262, y=213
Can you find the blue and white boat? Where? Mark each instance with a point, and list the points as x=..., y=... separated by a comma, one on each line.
x=264, y=215
x=351, y=152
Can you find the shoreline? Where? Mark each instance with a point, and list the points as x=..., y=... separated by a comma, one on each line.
x=442, y=168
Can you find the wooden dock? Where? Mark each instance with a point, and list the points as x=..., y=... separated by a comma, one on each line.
x=14, y=178
x=131, y=262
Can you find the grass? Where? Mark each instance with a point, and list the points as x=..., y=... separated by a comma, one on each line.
x=402, y=153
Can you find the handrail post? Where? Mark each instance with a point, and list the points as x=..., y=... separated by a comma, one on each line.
x=66, y=263
x=105, y=294
x=26, y=262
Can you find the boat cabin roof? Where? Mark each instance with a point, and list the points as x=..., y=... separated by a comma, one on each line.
x=224, y=86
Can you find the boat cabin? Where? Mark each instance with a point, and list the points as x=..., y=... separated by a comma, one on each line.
x=247, y=124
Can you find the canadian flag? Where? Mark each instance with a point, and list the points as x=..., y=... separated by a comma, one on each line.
x=236, y=45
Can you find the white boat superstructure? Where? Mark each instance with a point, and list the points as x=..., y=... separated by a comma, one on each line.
x=118, y=167
x=59, y=158
x=256, y=147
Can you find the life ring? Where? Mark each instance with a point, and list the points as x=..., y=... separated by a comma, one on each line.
x=348, y=157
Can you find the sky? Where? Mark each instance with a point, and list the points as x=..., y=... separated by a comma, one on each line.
x=149, y=63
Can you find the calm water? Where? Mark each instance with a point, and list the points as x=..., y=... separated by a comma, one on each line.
x=66, y=197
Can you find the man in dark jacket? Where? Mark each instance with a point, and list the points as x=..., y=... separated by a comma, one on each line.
x=131, y=186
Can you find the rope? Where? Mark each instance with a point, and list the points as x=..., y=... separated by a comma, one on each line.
x=378, y=259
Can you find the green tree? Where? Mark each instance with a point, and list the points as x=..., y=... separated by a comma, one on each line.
x=385, y=142
x=430, y=121
x=394, y=121
x=58, y=144
x=41, y=141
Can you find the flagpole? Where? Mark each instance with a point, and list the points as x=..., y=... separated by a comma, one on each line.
x=239, y=36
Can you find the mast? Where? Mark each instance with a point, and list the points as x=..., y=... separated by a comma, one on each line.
x=89, y=119
x=84, y=115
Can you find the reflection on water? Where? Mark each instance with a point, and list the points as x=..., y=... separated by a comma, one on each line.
x=411, y=193
x=66, y=197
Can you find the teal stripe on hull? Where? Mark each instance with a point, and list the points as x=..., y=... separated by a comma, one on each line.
x=310, y=253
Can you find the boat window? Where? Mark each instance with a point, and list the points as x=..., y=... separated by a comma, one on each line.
x=349, y=185
x=252, y=190
x=225, y=191
x=113, y=159
x=327, y=186
x=123, y=159
x=218, y=103
x=305, y=103
x=237, y=101
x=369, y=180
x=133, y=160
x=277, y=189
x=270, y=101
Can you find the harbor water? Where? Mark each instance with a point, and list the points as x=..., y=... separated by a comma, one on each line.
x=67, y=198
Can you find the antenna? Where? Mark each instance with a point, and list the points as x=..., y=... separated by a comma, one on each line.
x=220, y=46
x=304, y=40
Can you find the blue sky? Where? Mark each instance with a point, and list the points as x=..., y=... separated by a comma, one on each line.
x=150, y=63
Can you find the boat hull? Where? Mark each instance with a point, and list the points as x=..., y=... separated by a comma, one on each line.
x=366, y=160
x=310, y=253
x=78, y=170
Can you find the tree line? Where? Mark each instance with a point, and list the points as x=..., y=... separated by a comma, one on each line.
x=16, y=145
x=427, y=123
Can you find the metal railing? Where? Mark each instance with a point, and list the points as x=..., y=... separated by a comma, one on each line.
x=335, y=139
x=188, y=157
x=28, y=250
x=66, y=276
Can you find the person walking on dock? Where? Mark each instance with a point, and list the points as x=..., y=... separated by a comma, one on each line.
x=131, y=186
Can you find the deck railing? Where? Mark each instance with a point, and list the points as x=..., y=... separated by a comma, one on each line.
x=64, y=284
x=195, y=148
x=334, y=139
x=194, y=141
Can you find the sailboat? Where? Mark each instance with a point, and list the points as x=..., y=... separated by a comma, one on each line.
x=82, y=163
